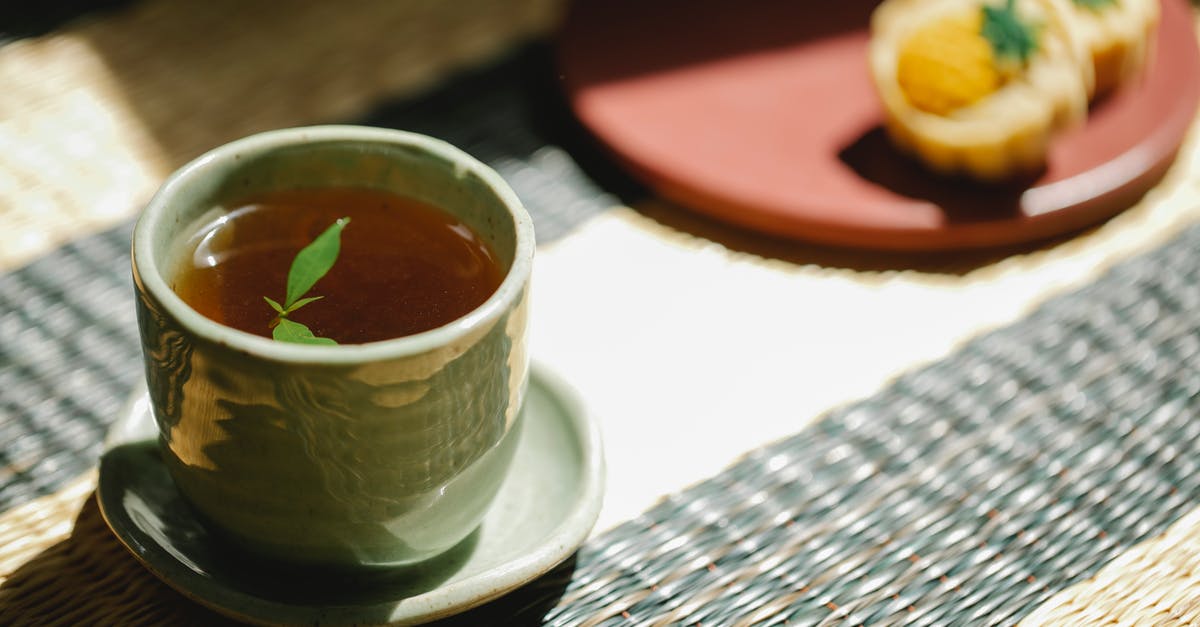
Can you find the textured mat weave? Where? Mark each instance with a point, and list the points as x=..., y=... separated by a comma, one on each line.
x=1154, y=583
x=69, y=354
x=967, y=492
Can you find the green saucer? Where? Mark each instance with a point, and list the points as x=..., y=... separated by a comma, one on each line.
x=544, y=511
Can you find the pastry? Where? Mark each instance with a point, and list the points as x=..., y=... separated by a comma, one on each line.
x=1117, y=34
x=977, y=87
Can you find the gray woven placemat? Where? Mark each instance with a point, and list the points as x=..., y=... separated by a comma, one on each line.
x=966, y=492
x=69, y=352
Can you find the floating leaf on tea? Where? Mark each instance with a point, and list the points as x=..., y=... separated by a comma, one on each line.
x=289, y=331
x=311, y=263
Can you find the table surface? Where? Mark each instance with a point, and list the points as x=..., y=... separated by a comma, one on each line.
x=691, y=342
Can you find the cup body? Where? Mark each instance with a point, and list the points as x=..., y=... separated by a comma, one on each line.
x=377, y=454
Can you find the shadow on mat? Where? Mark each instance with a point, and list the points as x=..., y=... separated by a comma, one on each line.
x=90, y=577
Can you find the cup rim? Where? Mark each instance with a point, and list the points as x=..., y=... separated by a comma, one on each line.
x=149, y=273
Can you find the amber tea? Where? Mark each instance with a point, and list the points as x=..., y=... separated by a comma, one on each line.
x=404, y=266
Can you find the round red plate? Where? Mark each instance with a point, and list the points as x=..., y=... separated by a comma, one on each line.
x=762, y=113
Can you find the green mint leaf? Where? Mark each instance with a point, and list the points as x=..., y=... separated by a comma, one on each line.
x=296, y=333
x=313, y=261
x=300, y=303
x=1094, y=5
x=1011, y=37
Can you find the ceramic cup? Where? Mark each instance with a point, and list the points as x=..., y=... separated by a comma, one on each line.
x=377, y=454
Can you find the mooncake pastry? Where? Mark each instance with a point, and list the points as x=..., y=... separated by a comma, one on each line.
x=1117, y=35
x=977, y=87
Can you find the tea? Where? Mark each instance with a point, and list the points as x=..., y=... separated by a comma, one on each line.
x=404, y=266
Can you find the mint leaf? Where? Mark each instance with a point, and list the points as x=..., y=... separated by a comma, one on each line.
x=296, y=333
x=1011, y=38
x=300, y=303
x=1094, y=5
x=313, y=261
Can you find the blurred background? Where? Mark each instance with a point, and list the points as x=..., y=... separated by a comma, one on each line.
x=101, y=100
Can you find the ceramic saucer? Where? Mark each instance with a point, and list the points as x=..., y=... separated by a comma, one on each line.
x=544, y=511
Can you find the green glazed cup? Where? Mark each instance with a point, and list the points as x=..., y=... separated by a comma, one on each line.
x=378, y=454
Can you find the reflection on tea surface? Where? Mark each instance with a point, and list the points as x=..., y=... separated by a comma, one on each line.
x=404, y=266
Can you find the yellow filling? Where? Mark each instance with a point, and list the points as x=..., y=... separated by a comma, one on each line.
x=947, y=64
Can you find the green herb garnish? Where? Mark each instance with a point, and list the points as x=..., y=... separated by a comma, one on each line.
x=1011, y=37
x=311, y=263
x=1094, y=5
x=289, y=331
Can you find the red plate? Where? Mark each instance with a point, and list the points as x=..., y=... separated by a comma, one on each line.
x=762, y=113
